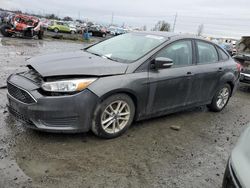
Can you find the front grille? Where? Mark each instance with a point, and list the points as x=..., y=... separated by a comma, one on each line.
x=19, y=116
x=60, y=122
x=20, y=94
x=33, y=76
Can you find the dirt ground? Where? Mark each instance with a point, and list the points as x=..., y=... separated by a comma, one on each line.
x=150, y=154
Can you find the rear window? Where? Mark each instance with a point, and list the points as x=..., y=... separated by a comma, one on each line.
x=206, y=53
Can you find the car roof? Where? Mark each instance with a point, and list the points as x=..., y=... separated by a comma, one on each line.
x=169, y=34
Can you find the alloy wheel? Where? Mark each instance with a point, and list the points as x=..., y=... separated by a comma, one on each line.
x=115, y=117
x=222, y=98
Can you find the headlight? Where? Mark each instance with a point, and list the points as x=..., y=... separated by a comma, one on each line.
x=68, y=85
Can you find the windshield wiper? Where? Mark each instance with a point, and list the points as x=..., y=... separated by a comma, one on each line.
x=95, y=54
x=109, y=58
x=103, y=56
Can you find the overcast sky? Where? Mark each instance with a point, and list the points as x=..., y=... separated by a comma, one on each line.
x=229, y=18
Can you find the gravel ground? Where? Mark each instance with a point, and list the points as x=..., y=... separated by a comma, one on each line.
x=150, y=154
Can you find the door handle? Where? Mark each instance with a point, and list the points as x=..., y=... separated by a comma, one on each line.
x=189, y=73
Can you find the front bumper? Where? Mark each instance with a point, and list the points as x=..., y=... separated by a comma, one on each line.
x=245, y=78
x=68, y=113
x=230, y=180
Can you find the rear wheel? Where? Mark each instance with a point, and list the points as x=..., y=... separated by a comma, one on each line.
x=40, y=35
x=56, y=30
x=72, y=32
x=113, y=116
x=103, y=35
x=221, y=98
x=4, y=30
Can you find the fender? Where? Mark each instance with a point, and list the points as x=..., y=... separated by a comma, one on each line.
x=135, y=85
x=229, y=78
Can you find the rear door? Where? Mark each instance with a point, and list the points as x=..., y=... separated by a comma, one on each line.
x=170, y=88
x=66, y=27
x=207, y=73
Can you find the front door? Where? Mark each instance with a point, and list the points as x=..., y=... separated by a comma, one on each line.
x=170, y=88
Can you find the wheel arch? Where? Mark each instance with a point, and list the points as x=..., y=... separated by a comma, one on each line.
x=232, y=85
x=127, y=92
x=228, y=78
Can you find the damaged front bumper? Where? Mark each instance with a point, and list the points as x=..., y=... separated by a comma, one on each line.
x=67, y=113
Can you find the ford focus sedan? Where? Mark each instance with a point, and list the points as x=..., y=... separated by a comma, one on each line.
x=107, y=86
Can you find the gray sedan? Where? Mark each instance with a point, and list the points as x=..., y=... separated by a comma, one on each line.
x=107, y=86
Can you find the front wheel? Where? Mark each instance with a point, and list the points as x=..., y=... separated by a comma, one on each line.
x=40, y=35
x=113, y=116
x=221, y=98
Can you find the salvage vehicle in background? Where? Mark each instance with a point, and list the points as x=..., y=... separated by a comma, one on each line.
x=59, y=26
x=127, y=78
x=23, y=26
x=243, y=57
x=228, y=47
x=238, y=167
x=97, y=30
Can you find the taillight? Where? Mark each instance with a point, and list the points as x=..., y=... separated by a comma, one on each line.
x=239, y=67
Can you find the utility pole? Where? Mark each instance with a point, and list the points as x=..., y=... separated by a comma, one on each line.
x=79, y=15
x=175, y=18
x=112, y=18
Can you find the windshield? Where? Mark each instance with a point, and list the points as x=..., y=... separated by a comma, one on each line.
x=126, y=48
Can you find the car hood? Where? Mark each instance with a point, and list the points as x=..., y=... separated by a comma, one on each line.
x=75, y=63
x=240, y=158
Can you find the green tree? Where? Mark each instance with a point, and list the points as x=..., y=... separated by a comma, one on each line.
x=162, y=26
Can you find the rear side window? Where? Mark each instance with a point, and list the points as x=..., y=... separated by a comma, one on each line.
x=224, y=56
x=180, y=52
x=206, y=53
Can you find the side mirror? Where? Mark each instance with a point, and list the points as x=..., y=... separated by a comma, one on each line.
x=162, y=63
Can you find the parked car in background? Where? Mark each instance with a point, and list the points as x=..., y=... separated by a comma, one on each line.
x=243, y=57
x=45, y=23
x=127, y=78
x=59, y=26
x=81, y=27
x=116, y=30
x=238, y=167
x=228, y=47
x=97, y=30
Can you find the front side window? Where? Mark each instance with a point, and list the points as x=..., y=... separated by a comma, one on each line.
x=180, y=52
x=206, y=53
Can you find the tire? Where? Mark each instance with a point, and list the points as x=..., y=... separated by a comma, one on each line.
x=56, y=30
x=4, y=32
x=103, y=35
x=40, y=35
x=72, y=32
x=116, y=122
x=215, y=104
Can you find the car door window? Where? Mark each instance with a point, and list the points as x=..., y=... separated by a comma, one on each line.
x=206, y=53
x=223, y=55
x=180, y=52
